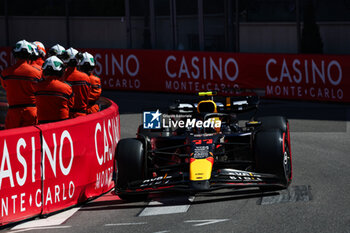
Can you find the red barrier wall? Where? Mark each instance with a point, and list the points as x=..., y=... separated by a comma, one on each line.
x=76, y=158
x=20, y=174
x=285, y=76
x=305, y=77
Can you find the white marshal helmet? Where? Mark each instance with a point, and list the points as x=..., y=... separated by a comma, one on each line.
x=41, y=48
x=71, y=57
x=57, y=50
x=23, y=49
x=87, y=59
x=87, y=63
x=53, y=66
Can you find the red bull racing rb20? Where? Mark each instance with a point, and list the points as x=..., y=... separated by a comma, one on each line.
x=200, y=147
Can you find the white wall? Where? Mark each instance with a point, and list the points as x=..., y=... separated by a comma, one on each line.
x=268, y=38
x=335, y=37
x=163, y=33
x=49, y=30
x=2, y=31
x=98, y=32
x=110, y=32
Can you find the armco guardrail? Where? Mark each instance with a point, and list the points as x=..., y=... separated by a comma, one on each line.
x=50, y=167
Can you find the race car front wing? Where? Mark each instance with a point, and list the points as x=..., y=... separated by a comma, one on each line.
x=221, y=179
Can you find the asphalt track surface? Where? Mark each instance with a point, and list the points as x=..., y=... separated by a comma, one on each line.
x=317, y=201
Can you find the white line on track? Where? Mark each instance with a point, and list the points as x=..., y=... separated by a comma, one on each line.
x=206, y=222
x=53, y=220
x=125, y=224
x=40, y=228
x=169, y=205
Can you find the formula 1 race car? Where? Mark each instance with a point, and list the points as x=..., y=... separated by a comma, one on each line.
x=202, y=147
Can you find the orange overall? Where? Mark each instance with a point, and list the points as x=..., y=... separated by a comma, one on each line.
x=18, y=81
x=54, y=99
x=80, y=83
x=39, y=62
x=94, y=94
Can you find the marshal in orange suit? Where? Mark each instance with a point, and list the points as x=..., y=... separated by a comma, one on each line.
x=87, y=65
x=79, y=81
x=18, y=81
x=54, y=97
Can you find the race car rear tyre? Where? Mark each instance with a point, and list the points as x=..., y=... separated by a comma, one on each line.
x=272, y=155
x=273, y=122
x=276, y=122
x=131, y=166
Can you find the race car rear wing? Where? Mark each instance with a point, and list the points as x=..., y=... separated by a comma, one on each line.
x=227, y=101
x=228, y=105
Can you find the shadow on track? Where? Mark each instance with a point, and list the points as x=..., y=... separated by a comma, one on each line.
x=212, y=197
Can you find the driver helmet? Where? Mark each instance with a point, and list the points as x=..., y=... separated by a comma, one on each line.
x=41, y=48
x=53, y=66
x=58, y=51
x=23, y=50
x=87, y=62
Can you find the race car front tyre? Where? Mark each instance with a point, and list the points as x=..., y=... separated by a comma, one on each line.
x=131, y=166
x=272, y=155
